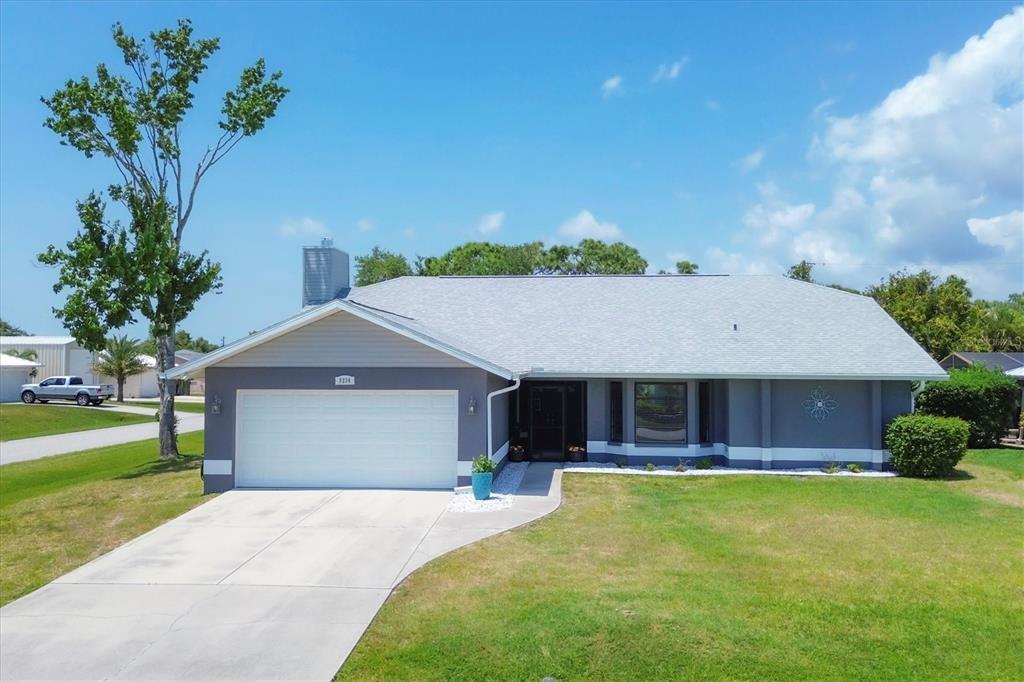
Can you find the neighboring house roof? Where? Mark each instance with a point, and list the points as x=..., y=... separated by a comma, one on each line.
x=997, y=360
x=187, y=355
x=36, y=340
x=734, y=326
x=11, y=362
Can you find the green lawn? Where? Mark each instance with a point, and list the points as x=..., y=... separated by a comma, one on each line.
x=28, y=421
x=59, y=512
x=752, y=578
x=179, y=406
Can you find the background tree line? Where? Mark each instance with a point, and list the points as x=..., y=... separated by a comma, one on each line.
x=940, y=314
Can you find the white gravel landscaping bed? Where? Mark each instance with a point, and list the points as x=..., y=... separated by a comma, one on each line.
x=503, y=491
x=602, y=468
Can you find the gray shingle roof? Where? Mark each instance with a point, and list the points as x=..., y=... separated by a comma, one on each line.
x=657, y=325
x=996, y=360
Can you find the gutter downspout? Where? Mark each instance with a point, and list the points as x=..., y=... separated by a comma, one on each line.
x=916, y=392
x=490, y=397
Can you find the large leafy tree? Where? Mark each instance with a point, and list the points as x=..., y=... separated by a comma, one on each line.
x=485, y=258
x=182, y=341
x=594, y=257
x=1002, y=323
x=803, y=271
x=939, y=315
x=380, y=265
x=120, y=360
x=114, y=270
x=685, y=267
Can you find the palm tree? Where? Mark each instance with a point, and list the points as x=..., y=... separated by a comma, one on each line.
x=120, y=360
x=26, y=354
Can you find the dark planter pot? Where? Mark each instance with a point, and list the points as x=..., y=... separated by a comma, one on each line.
x=482, y=485
x=577, y=457
x=514, y=456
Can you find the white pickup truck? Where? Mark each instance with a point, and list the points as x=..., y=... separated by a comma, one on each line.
x=66, y=388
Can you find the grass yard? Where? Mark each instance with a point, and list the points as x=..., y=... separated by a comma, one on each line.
x=59, y=512
x=28, y=421
x=179, y=406
x=728, y=577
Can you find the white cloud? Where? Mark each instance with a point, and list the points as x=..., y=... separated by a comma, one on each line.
x=303, y=227
x=585, y=226
x=365, y=225
x=1004, y=231
x=671, y=70
x=491, y=222
x=712, y=104
x=751, y=161
x=823, y=106
x=773, y=219
x=612, y=86
x=930, y=177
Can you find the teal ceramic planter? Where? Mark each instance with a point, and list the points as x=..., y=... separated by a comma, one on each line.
x=482, y=485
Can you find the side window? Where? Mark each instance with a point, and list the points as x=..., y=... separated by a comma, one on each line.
x=46, y=382
x=75, y=381
x=58, y=381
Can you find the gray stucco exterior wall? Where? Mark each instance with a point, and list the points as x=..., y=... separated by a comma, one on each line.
x=744, y=413
x=848, y=426
x=223, y=382
x=499, y=412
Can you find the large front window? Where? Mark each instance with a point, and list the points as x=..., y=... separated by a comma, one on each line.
x=660, y=413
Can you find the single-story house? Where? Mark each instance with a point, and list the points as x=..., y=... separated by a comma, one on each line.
x=995, y=360
x=141, y=385
x=13, y=373
x=55, y=354
x=402, y=383
x=193, y=386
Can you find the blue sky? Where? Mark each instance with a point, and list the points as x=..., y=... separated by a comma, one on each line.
x=865, y=137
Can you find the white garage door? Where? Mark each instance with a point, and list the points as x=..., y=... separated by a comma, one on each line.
x=346, y=439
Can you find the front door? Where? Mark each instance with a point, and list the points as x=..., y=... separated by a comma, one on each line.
x=547, y=422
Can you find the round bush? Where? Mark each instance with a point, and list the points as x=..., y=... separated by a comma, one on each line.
x=926, y=446
x=981, y=396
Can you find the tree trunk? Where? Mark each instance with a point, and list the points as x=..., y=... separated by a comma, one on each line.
x=120, y=389
x=168, y=429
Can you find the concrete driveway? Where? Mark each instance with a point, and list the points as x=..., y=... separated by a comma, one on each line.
x=255, y=584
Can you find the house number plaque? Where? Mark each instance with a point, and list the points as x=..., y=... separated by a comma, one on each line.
x=345, y=380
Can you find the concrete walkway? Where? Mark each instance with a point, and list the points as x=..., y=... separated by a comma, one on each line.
x=255, y=584
x=25, y=449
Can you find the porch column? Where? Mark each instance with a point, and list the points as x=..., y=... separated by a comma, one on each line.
x=876, y=425
x=692, y=418
x=766, y=424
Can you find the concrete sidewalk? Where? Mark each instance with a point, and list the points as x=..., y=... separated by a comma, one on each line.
x=26, y=449
x=255, y=585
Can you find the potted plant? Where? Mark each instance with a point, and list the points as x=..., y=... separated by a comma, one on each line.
x=577, y=453
x=516, y=453
x=483, y=474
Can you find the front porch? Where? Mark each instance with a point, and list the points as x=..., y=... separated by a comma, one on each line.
x=619, y=421
x=747, y=423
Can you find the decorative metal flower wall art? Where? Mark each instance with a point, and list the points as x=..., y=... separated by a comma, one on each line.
x=820, y=405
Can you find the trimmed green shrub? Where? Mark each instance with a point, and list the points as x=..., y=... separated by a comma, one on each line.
x=704, y=463
x=854, y=468
x=650, y=466
x=982, y=397
x=926, y=446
